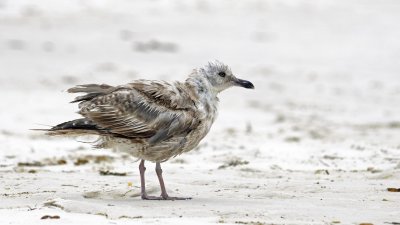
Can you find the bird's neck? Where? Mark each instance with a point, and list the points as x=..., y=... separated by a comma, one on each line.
x=204, y=96
x=201, y=87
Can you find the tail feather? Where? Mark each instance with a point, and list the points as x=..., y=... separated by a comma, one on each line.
x=73, y=132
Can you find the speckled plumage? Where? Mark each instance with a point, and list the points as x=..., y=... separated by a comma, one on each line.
x=151, y=120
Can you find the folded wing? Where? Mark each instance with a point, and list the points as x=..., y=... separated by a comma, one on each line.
x=143, y=109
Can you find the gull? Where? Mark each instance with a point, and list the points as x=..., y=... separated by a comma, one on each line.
x=149, y=119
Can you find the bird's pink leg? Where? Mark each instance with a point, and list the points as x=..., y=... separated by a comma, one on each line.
x=144, y=195
x=164, y=194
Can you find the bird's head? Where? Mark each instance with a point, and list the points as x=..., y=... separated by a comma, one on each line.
x=221, y=77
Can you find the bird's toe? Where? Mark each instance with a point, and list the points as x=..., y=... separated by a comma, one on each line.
x=175, y=198
x=149, y=197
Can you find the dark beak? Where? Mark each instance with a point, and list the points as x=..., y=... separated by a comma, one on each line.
x=244, y=83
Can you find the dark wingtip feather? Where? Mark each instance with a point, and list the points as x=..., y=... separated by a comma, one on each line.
x=76, y=124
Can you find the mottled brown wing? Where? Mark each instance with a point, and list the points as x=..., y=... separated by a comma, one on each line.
x=143, y=109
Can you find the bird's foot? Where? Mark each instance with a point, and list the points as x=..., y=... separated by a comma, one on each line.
x=166, y=197
x=149, y=197
x=163, y=197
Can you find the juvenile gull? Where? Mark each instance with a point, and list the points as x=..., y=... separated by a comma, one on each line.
x=151, y=120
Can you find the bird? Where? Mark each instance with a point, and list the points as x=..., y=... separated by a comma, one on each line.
x=151, y=120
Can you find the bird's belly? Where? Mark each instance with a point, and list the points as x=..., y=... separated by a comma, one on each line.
x=164, y=150
x=159, y=152
x=126, y=146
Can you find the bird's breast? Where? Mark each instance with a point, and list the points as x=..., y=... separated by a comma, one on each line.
x=207, y=112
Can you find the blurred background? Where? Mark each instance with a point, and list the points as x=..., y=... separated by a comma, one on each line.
x=308, y=59
x=326, y=74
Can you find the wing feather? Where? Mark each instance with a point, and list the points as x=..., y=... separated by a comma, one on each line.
x=145, y=109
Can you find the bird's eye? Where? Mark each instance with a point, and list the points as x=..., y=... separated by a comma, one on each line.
x=222, y=74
